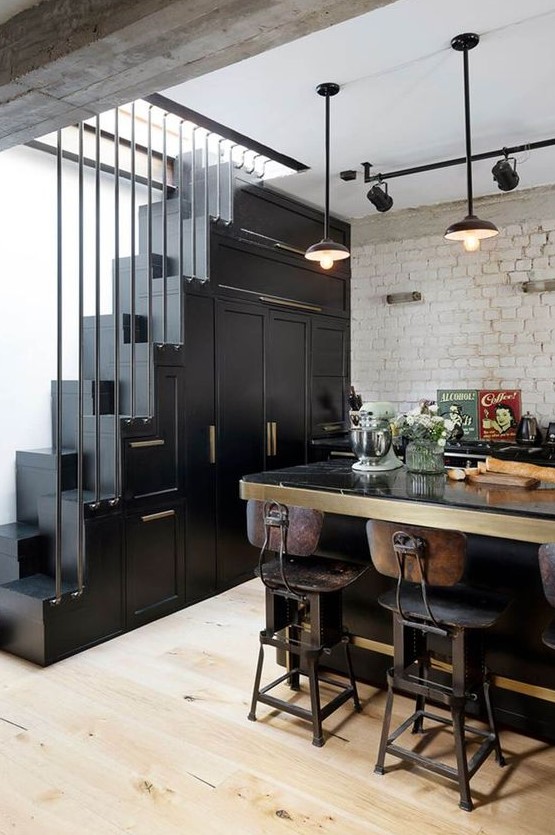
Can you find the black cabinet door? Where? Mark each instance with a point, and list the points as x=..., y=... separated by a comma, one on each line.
x=241, y=347
x=287, y=388
x=153, y=467
x=329, y=374
x=200, y=448
x=154, y=565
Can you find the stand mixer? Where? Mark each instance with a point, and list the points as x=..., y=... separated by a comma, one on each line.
x=371, y=440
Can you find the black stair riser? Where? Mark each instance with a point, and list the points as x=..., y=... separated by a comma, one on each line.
x=36, y=476
x=69, y=536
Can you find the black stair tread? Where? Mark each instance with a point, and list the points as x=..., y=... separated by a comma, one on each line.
x=18, y=530
x=37, y=586
x=19, y=540
x=44, y=452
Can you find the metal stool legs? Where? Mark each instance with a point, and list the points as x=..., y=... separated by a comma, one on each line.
x=468, y=676
x=304, y=649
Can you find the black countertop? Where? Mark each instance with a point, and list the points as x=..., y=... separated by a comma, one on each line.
x=504, y=505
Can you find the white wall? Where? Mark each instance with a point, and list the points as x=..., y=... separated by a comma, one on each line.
x=474, y=327
x=28, y=299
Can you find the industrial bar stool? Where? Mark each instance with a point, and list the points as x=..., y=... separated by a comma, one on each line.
x=433, y=611
x=303, y=608
x=547, y=570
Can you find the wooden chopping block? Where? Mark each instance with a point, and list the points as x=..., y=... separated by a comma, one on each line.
x=496, y=465
x=504, y=480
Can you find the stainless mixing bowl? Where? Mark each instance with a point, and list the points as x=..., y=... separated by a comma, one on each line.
x=371, y=442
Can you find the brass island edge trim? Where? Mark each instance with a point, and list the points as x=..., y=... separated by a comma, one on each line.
x=482, y=522
x=504, y=683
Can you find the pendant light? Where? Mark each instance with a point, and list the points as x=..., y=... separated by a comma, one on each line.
x=327, y=251
x=471, y=230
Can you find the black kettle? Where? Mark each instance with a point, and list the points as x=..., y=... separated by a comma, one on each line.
x=527, y=431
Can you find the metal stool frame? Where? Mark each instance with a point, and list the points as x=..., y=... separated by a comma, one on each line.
x=304, y=623
x=414, y=673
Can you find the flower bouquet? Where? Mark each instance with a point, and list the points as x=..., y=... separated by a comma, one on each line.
x=426, y=433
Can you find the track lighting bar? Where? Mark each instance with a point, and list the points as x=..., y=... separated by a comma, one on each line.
x=432, y=166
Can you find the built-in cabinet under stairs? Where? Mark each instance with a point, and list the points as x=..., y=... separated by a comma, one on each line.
x=133, y=537
x=222, y=361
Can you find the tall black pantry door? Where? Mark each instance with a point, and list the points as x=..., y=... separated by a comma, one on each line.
x=287, y=388
x=262, y=358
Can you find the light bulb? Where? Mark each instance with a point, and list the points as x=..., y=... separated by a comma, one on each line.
x=471, y=243
x=326, y=262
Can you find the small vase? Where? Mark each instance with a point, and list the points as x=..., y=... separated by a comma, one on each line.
x=424, y=457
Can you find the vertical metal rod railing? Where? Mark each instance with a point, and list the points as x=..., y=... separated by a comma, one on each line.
x=97, y=473
x=219, y=181
x=180, y=260
x=230, y=184
x=193, y=203
x=59, y=371
x=117, y=311
x=132, y=272
x=206, y=210
x=80, y=360
x=164, y=229
x=150, y=374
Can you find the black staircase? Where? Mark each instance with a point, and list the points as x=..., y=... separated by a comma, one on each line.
x=32, y=624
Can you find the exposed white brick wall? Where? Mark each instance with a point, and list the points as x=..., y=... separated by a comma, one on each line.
x=474, y=327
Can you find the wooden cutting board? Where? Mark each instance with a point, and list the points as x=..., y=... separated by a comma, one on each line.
x=503, y=480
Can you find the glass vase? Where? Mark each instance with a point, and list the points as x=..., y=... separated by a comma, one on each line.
x=426, y=485
x=424, y=456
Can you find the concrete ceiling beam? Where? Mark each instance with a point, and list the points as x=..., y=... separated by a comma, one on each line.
x=62, y=61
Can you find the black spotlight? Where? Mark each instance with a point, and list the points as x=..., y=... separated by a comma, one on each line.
x=505, y=174
x=380, y=198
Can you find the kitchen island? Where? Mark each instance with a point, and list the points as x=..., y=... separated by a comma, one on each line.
x=504, y=527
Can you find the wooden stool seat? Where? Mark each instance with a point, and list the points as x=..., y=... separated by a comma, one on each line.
x=303, y=609
x=312, y=574
x=432, y=613
x=456, y=606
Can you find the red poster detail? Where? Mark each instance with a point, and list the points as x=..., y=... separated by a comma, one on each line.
x=498, y=414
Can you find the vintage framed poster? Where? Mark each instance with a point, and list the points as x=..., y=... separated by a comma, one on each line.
x=499, y=412
x=460, y=406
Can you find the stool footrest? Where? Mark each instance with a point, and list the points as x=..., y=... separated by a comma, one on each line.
x=485, y=749
x=347, y=692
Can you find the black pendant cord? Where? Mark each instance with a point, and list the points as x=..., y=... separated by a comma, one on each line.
x=468, y=133
x=327, y=202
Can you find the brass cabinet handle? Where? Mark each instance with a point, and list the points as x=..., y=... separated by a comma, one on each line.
x=269, y=439
x=144, y=444
x=287, y=248
x=212, y=444
x=289, y=303
x=163, y=514
x=274, y=438
x=337, y=454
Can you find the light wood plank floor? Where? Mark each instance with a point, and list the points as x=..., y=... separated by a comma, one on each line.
x=148, y=734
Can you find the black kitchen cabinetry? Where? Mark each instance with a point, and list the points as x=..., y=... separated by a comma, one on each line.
x=263, y=368
x=266, y=361
x=268, y=389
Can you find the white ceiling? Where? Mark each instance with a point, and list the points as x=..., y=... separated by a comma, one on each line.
x=401, y=98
